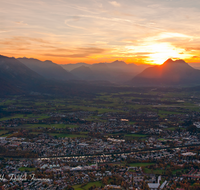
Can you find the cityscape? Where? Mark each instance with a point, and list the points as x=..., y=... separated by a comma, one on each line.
x=99, y=95
x=121, y=140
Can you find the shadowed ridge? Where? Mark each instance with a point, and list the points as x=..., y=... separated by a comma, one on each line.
x=14, y=73
x=47, y=69
x=169, y=73
x=83, y=72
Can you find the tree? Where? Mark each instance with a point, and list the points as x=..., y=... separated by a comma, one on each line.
x=192, y=129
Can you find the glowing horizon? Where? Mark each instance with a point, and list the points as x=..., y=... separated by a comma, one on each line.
x=92, y=31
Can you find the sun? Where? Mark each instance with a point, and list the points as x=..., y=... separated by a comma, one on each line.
x=155, y=53
x=159, y=53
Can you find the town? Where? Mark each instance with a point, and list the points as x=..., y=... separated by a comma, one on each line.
x=146, y=139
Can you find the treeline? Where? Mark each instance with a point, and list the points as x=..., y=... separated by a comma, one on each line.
x=16, y=153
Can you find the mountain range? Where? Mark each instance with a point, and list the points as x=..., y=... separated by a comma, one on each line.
x=31, y=75
x=117, y=71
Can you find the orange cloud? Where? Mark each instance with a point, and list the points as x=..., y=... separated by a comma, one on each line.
x=82, y=52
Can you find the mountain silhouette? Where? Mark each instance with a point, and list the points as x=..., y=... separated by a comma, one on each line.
x=14, y=73
x=47, y=69
x=7, y=88
x=83, y=72
x=117, y=71
x=70, y=67
x=169, y=73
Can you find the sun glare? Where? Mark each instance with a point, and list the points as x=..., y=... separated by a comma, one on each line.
x=161, y=52
x=157, y=53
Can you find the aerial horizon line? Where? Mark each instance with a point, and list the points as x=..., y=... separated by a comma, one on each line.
x=117, y=60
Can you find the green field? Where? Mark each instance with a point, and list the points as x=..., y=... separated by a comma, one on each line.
x=39, y=117
x=132, y=122
x=87, y=186
x=140, y=164
x=100, y=110
x=35, y=126
x=57, y=126
x=35, y=133
x=12, y=117
x=72, y=126
x=3, y=132
x=174, y=172
x=24, y=169
x=161, y=139
x=157, y=171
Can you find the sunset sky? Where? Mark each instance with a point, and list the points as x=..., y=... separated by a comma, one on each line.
x=92, y=31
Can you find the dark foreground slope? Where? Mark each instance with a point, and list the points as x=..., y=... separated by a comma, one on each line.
x=15, y=75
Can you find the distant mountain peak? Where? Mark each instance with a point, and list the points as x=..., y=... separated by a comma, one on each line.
x=168, y=61
x=118, y=62
x=177, y=62
x=82, y=67
x=83, y=72
x=171, y=72
x=48, y=62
